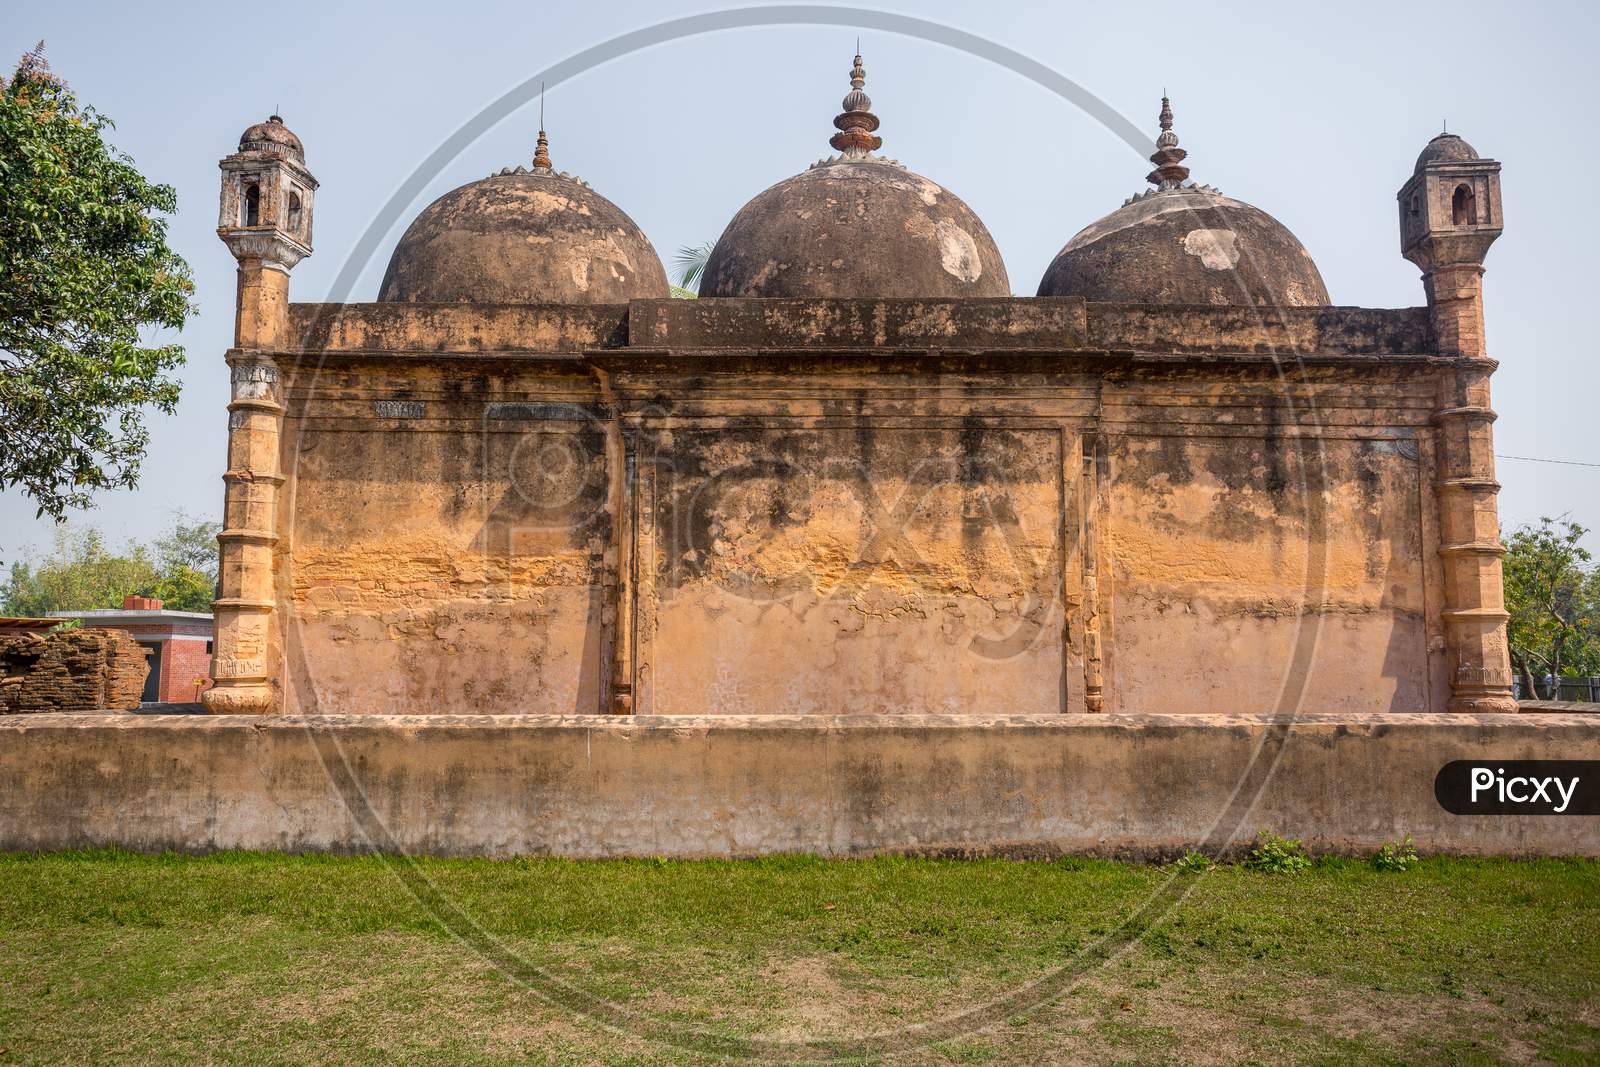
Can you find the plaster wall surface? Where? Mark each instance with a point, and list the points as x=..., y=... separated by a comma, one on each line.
x=836, y=506
x=601, y=786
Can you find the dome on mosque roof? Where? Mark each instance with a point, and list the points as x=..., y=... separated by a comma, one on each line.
x=856, y=225
x=1180, y=243
x=524, y=236
x=1445, y=148
x=273, y=138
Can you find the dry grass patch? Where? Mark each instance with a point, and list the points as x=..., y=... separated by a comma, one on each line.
x=112, y=958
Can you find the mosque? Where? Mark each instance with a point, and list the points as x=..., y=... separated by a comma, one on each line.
x=857, y=475
x=857, y=552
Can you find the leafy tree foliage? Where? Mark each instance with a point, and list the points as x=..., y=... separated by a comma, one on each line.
x=81, y=573
x=182, y=589
x=1553, y=596
x=690, y=263
x=85, y=273
x=191, y=545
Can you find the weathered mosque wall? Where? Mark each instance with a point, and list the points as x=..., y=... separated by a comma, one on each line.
x=450, y=559
x=603, y=786
x=749, y=507
x=1267, y=541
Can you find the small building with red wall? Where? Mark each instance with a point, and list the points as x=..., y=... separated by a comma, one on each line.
x=179, y=644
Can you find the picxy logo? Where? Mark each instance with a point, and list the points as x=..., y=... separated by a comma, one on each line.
x=1519, y=787
x=1523, y=790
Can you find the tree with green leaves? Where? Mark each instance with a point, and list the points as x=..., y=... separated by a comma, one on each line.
x=1553, y=597
x=85, y=276
x=690, y=264
x=186, y=562
x=81, y=573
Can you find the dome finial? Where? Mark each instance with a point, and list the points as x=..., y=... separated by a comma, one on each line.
x=1168, y=156
x=855, y=139
x=541, y=149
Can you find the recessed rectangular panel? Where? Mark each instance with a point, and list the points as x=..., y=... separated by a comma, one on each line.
x=1272, y=574
x=856, y=569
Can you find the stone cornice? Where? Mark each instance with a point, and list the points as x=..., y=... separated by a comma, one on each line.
x=765, y=329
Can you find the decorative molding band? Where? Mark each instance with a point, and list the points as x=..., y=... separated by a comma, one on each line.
x=1473, y=548
x=271, y=407
x=1485, y=485
x=1492, y=615
x=239, y=603
x=246, y=477
x=1466, y=412
x=259, y=537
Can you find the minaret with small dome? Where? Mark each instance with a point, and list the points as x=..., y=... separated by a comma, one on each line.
x=265, y=220
x=1450, y=214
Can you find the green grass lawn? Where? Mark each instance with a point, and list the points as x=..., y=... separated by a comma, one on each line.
x=244, y=958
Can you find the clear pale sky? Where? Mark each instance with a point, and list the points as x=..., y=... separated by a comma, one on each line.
x=1314, y=114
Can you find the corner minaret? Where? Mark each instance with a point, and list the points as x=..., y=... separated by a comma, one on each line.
x=1449, y=216
x=267, y=201
x=267, y=198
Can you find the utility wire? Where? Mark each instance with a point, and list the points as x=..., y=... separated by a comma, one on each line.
x=1536, y=459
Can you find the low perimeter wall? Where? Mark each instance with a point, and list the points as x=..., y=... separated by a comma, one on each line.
x=718, y=786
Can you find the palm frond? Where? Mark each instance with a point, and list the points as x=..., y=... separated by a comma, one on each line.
x=690, y=263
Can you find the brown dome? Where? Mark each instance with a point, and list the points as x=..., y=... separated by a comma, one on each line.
x=1445, y=148
x=273, y=138
x=856, y=227
x=523, y=237
x=1180, y=243
x=1186, y=246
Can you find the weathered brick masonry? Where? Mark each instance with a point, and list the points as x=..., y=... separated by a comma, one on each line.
x=71, y=670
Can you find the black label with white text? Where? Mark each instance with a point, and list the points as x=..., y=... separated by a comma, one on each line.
x=1519, y=787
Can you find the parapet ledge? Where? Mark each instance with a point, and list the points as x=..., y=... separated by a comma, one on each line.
x=757, y=327
x=1319, y=723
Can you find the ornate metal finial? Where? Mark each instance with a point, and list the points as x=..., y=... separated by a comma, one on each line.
x=541, y=148
x=855, y=139
x=1168, y=156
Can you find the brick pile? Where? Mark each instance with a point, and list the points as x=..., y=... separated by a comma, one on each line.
x=72, y=670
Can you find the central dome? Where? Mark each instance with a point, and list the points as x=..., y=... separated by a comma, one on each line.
x=856, y=225
x=524, y=237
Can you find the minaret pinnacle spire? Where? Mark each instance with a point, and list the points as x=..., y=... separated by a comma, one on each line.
x=1168, y=157
x=541, y=150
x=855, y=139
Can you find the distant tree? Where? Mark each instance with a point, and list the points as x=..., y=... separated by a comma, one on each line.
x=85, y=274
x=1553, y=597
x=189, y=544
x=80, y=574
x=186, y=558
x=182, y=589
